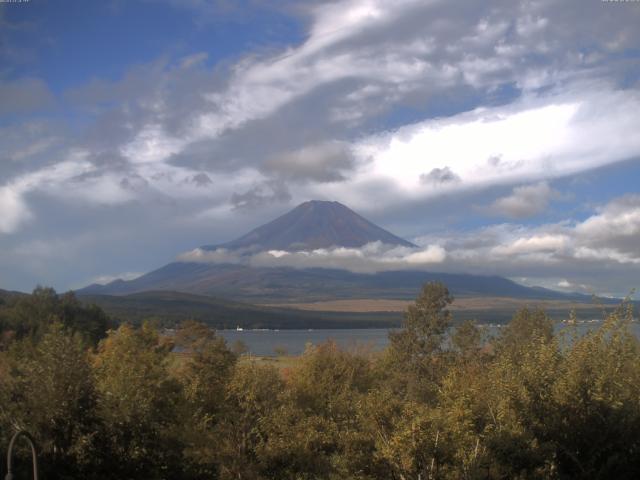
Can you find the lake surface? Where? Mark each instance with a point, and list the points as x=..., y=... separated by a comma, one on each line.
x=265, y=342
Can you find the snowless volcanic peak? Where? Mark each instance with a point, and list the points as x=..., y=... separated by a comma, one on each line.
x=311, y=225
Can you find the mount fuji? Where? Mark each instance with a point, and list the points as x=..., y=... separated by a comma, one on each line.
x=310, y=226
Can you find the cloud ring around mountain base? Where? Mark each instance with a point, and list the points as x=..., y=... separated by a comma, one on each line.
x=370, y=258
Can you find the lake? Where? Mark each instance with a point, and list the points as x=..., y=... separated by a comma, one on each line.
x=265, y=342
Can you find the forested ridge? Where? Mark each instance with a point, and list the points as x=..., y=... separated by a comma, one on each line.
x=113, y=402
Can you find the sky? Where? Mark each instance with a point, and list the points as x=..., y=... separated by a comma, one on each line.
x=500, y=136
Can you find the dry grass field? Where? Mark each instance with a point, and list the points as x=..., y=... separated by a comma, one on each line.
x=459, y=304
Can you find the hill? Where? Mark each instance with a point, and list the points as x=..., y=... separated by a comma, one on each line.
x=6, y=295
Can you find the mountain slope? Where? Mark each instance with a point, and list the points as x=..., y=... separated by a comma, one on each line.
x=283, y=284
x=311, y=225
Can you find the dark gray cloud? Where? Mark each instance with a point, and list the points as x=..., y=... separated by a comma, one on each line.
x=200, y=180
x=325, y=162
x=438, y=176
x=133, y=183
x=268, y=192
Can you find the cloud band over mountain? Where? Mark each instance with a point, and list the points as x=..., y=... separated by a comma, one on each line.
x=371, y=258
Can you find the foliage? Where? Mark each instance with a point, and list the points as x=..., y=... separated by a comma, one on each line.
x=138, y=403
x=438, y=403
x=414, y=351
x=49, y=392
x=32, y=315
x=204, y=380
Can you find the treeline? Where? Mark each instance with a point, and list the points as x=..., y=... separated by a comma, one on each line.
x=30, y=316
x=433, y=405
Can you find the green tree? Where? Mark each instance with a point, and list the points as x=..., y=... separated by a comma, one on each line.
x=32, y=315
x=50, y=393
x=414, y=351
x=90, y=321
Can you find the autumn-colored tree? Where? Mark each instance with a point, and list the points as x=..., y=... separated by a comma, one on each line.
x=594, y=424
x=316, y=432
x=438, y=403
x=466, y=340
x=251, y=403
x=137, y=401
x=204, y=377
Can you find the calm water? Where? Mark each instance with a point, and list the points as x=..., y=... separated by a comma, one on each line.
x=265, y=342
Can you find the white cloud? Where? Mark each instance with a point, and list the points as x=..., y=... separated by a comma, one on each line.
x=533, y=244
x=619, y=219
x=151, y=145
x=605, y=254
x=539, y=137
x=373, y=257
x=600, y=254
x=533, y=139
x=77, y=179
x=13, y=210
x=220, y=255
x=388, y=52
x=363, y=65
x=260, y=86
x=608, y=236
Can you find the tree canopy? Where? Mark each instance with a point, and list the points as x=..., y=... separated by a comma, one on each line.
x=441, y=402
